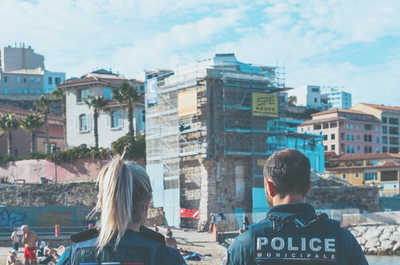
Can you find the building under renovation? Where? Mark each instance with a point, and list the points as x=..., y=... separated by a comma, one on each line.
x=206, y=138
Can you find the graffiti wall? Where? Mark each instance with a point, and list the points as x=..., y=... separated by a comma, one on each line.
x=43, y=218
x=33, y=170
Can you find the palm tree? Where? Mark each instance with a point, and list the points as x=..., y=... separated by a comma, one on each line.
x=127, y=93
x=9, y=123
x=30, y=123
x=99, y=104
x=292, y=100
x=44, y=105
x=59, y=93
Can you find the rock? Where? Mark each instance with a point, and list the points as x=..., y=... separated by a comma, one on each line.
x=361, y=241
x=355, y=233
x=387, y=244
x=389, y=230
x=361, y=229
x=384, y=236
x=398, y=228
x=396, y=247
x=395, y=236
x=372, y=233
x=381, y=252
x=363, y=248
x=371, y=251
x=373, y=242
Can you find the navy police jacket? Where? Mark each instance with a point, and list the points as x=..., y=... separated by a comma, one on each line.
x=135, y=248
x=294, y=234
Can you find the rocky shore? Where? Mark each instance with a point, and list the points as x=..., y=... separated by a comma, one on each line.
x=378, y=239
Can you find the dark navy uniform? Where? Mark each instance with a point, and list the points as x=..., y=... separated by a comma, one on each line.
x=135, y=248
x=294, y=234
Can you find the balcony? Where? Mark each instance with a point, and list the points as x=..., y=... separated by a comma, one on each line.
x=394, y=140
x=394, y=121
x=394, y=130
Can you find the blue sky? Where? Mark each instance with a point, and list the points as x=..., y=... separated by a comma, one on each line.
x=354, y=44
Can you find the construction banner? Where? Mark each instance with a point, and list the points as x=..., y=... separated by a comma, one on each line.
x=265, y=105
x=189, y=213
x=152, y=90
x=187, y=103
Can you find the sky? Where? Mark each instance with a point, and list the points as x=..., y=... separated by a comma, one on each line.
x=346, y=43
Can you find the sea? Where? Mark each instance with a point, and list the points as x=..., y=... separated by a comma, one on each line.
x=383, y=260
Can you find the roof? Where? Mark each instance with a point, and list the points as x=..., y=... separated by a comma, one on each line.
x=18, y=111
x=366, y=156
x=381, y=107
x=307, y=122
x=339, y=111
x=54, y=130
x=25, y=72
x=88, y=80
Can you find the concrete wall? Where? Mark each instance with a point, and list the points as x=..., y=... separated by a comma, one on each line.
x=32, y=170
x=370, y=218
x=20, y=58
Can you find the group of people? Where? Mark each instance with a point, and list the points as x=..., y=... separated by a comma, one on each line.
x=32, y=243
x=291, y=233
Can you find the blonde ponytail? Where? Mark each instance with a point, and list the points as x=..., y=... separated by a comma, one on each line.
x=124, y=188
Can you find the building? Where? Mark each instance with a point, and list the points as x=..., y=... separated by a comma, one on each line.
x=309, y=144
x=389, y=117
x=381, y=170
x=321, y=98
x=338, y=98
x=345, y=131
x=23, y=75
x=21, y=143
x=206, y=138
x=112, y=124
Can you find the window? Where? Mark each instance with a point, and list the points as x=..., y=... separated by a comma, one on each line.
x=351, y=126
x=325, y=137
x=115, y=118
x=347, y=125
x=302, y=129
x=18, y=79
x=38, y=80
x=384, y=149
x=107, y=93
x=19, y=90
x=31, y=80
x=144, y=117
x=325, y=148
x=352, y=137
x=369, y=138
x=358, y=137
x=25, y=80
x=332, y=147
x=32, y=91
x=358, y=127
x=315, y=100
x=315, y=89
x=57, y=80
x=83, y=126
x=351, y=149
x=357, y=175
x=333, y=136
x=38, y=91
x=82, y=95
x=347, y=149
x=50, y=81
x=358, y=148
x=384, y=120
x=348, y=137
x=377, y=139
x=343, y=176
x=25, y=91
x=377, y=150
x=5, y=91
x=5, y=79
x=371, y=176
x=377, y=128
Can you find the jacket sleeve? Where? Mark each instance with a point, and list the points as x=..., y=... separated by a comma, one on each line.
x=355, y=254
x=240, y=251
x=168, y=255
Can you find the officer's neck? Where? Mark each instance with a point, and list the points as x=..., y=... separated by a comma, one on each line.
x=290, y=198
x=134, y=227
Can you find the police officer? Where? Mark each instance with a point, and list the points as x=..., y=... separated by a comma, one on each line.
x=292, y=233
x=120, y=236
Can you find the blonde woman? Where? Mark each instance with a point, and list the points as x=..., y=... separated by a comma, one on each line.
x=120, y=237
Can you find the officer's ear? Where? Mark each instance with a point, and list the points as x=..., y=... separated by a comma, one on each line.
x=309, y=187
x=269, y=187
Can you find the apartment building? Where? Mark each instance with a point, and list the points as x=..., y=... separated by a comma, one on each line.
x=338, y=98
x=381, y=170
x=23, y=75
x=389, y=117
x=346, y=131
x=112, y=124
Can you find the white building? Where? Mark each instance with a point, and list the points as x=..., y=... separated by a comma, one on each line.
x=112, y=124
x=337, y=97
x=23, y=75
x=310, y=97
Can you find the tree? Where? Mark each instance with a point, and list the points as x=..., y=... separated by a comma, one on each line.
x=99, y=104
x=30, y=123
x=126, y=93
x=9, y=123
x=59, y=93
x=44, y=105
x=292, y=101
x=135, y=148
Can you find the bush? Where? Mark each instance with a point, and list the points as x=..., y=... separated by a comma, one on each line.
x=135, y=148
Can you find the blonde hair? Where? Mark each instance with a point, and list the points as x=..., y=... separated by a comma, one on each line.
x=124, y=188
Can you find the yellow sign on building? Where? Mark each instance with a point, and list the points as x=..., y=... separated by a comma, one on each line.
x=187, y=103
x=265, y=105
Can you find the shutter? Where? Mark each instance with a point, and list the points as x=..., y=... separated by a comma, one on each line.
x=121, y=118
x=76, y=123
x=108, y=117
x=89, y=121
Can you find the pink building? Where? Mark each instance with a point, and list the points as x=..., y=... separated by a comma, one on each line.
x=346, y=131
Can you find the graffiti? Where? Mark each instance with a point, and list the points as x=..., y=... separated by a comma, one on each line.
x=38, y=169
x=51, y=218
x=10, y=220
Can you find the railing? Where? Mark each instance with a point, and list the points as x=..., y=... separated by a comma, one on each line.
x=45, y=230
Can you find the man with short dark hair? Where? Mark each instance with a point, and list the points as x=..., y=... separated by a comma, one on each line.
x=292, y=233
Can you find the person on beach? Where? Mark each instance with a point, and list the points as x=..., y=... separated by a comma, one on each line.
x=12, y=259
x=292, y=233
x=15, y=239
x=169, y=240
x=29, y=239
x=120, y=237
